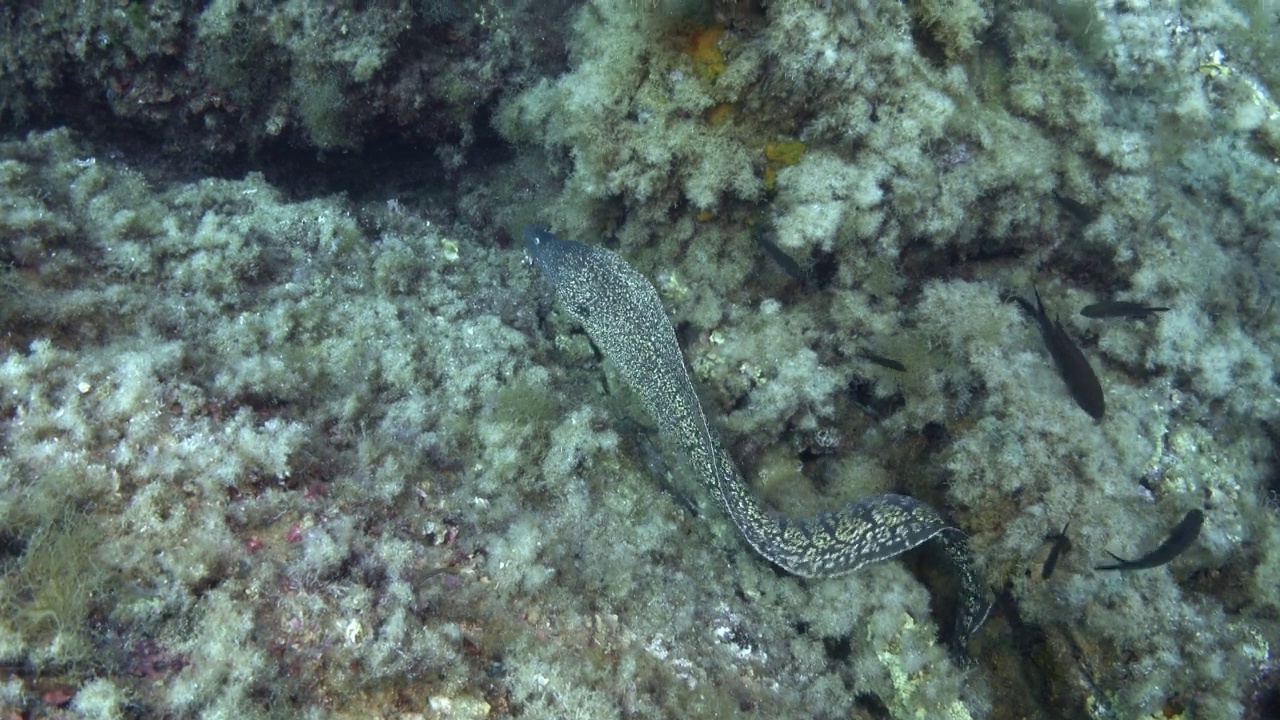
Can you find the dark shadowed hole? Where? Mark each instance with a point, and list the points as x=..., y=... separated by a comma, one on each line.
x=838, y=649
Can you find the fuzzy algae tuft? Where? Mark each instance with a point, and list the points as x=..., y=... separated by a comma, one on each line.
x=622, y=313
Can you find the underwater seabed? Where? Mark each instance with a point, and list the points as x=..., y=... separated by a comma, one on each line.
x=294, y=425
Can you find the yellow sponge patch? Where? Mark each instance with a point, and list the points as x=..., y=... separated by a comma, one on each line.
x=704, y=48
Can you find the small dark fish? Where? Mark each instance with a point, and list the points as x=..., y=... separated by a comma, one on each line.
x=1081, y=213
x=1061, y=546
x=775, y=253
x=1120, y=309
x=1155, y=218
x=1081, y=380
x=1181, y=538
x=881, y=360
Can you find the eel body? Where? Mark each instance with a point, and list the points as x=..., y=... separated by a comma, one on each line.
x=624, y=316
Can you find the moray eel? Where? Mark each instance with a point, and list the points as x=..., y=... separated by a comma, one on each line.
x=623, y=315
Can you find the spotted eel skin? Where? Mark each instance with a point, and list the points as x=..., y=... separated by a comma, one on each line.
x=622, y=313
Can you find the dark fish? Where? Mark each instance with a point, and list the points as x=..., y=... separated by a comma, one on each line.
x=1155, y=218
x=1121, y=309
x=1081, y=380
x=775, y=253
x=1181, y=538
x=881, y=360
x=1061, y=546
x=1081, y=213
